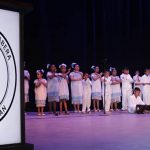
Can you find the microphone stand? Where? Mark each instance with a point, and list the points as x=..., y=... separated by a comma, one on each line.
x=104, y=96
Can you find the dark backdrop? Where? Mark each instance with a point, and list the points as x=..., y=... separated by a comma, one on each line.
x=87, y=32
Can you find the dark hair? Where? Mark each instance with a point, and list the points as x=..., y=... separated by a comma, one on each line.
x=136, y=89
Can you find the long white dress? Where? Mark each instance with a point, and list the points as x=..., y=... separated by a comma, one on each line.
x=126, y=89
x=76, y=88
x=63, y=88
x=116, y=90
x=40, y=93
x=53, y=87
x=107, y=90
x=26, y=85
x=137, y=80
x=146, y=89
x=96, y=87
x=86, y=95
x=133, y=101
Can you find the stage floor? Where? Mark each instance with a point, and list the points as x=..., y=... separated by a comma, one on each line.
x=119, y=131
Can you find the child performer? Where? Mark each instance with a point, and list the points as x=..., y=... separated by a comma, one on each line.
x=26, y=86
x=76, y=87
x=63, y=87
x=137, y=79
x=116, y=89
x=135, y=102
x=126, y=87
x=40, y=92
x=86, y=93
x=96, y=87
x=145, y=80
x=52, y=87
x=106, y=89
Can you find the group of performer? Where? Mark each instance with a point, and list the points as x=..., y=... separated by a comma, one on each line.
x=106, y=86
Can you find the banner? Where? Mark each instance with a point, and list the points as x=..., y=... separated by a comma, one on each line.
x=10, y=129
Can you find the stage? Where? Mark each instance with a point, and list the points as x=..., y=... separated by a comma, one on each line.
x=119, y=131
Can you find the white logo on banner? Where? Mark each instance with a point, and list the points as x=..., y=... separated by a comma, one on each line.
x=8, y=76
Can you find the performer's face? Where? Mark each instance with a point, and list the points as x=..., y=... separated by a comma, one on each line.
x=39, y=75
x=63, y=69
x=97, y=69
x=114, y=72
x=77, y=68
x=126, y=71
x=107, y=73
x=86, y=76
x=53, y=68
x=147, y=72
x=137, y=93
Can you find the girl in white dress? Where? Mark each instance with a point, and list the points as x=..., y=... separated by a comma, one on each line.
x=63, y=87
x=137, y=80
x=76, y=87
x=116, y=89
x=96, y=87
x=126, y=87
x=26, y=86
x=52, y=87
x=106, y=90
x=86, y=93
x=145, y=80
x=40, y=92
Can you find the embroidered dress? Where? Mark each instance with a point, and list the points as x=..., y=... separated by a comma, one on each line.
x=76, y=88
x=40, y=93
x=53, y=87
x=63, y=88
x=26, y=86
x=116, y=90
x=96, y=87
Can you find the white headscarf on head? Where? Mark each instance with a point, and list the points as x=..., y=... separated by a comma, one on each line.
x=62, y=65
x=40, y=70
x=93, y=67
x=111, y=69
x=48, y=65
x=73, y=65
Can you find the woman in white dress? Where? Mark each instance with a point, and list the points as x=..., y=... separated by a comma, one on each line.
x=26, y=86
x=145, y=80
x=76, y=87
x=86, y=93
x=63, y=87
x=106, y=90
x=96, y=87
x=116, y=89
x=52, y=87
x=40, y=92
x=137, y=80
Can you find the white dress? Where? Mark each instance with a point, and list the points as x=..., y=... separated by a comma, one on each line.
x=137, y=79
x=86, y=95
x=146, y=89
x=53, y=87
x=26, y=85
x=133, y=101
x=96, y=87
x=40, y=93
x=108, y=91
x=63, y=88
x=126, y=89
x=116, y=90
x=76, y=88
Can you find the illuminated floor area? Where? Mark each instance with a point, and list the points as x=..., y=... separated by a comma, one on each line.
x=120, y=131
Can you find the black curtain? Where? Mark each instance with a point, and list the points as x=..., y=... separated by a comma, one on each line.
x=88, y=32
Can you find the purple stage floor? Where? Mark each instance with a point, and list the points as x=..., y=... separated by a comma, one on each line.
x=120, y=131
